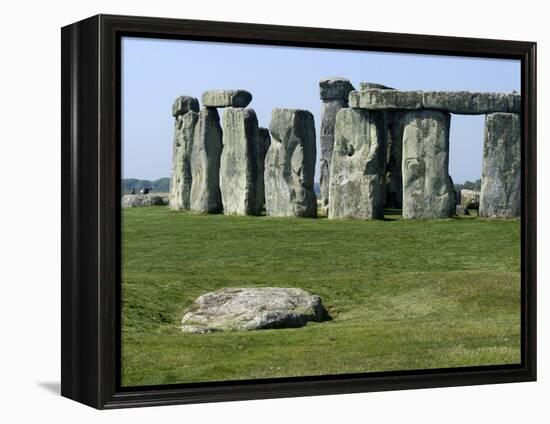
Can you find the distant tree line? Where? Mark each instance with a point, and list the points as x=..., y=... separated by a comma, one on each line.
x=162, y=185
x=469, y=185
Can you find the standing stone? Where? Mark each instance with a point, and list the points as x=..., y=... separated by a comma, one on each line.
x=394, y=147
x=428, y=191
x=501, y=170
x=334, y=93
x=358, y=165
x=205, y=163
x=469, y=198
x=185, y=110
x=290, y=164
x=264, y=143
x=239, y=163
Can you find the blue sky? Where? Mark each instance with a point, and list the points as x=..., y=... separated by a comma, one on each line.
x=155, y=72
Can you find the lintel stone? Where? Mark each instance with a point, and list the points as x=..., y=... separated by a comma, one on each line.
x=226, y=98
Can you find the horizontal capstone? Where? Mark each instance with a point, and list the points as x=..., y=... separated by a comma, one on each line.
x=226, y=98
x=458, y=102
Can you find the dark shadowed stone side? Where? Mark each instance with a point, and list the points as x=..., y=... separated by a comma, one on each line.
x=377, y=99
x=239, y=162
x=394, y=147
x=358, y=165
x=226, y=98
x=184, y=104
x=205, y=163
x=290, y=164
x=334, y=88
x=264, y=143
x=465, y=102
x=428, y=191
x=501, y=169
x=514, y=103
x=328, y=119
x=181, y=178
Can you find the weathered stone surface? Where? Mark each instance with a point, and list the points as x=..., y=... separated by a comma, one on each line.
x=184, y=104
x=514, y=102
x=370, y=85
x=239, y=163
x=501, y=168
x=264, y=143
x=328, y=120
x=150, y=199
x=181, y=179
x=205, y=163
x=226, y=98
x=335, y=88
x=465, y=102
x=394, y=147
x=469, y=198
x=428, y=191
x=377, y=99
x=252, y=309
x=358, y=165
x=290, y=164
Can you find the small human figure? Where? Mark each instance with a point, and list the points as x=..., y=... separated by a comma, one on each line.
x=133, y=190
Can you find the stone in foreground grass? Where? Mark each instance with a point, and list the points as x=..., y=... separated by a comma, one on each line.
x=252, y=309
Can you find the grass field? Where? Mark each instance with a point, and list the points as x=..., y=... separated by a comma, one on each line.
x=403, y=294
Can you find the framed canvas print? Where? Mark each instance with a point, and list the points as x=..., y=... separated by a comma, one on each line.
x=254, y=211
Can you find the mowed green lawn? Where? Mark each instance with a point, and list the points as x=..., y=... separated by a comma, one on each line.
x=403, y=294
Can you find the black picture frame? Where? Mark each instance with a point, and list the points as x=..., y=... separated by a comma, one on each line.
x=91, y=162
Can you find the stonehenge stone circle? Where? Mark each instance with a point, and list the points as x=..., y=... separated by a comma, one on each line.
x=239, y=170
x=226, y=98
x=290, y=165
x=501, y=167
x=334, y=94
x=380, y=147
x=181, y=178
x=358, y=165
x=205, y=196
x=184, y=104
x=428, y=191
x=231, y=309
